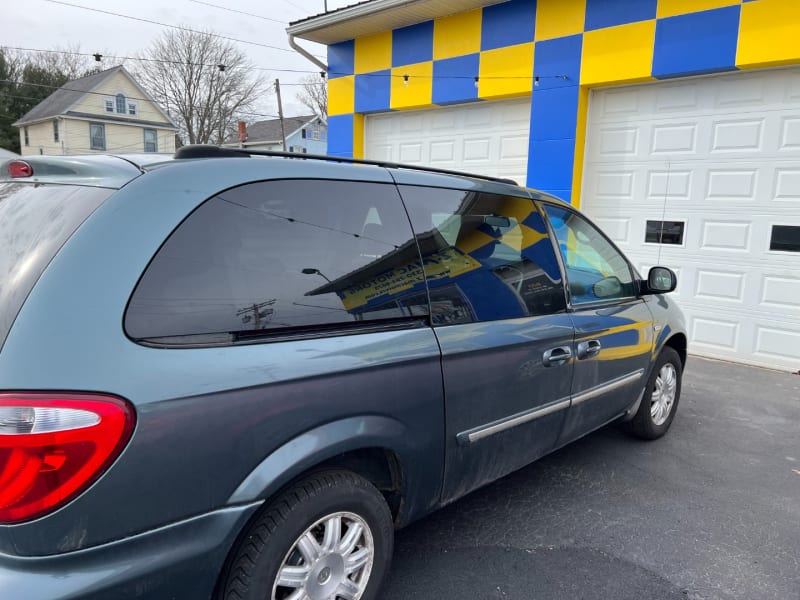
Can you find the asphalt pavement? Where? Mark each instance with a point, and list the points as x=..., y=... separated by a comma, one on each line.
x=710, y=511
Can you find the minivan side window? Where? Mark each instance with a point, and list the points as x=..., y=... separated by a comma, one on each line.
x=596, y=270
x=486, y=256
x=282, y=257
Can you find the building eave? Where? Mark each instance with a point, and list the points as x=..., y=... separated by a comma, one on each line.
x=375, y=16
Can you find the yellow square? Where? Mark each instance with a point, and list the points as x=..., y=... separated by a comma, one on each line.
x=506, y=72
x=417, y=92
x=342, y=95
x=670, y=8
x=622, y=54
x=373, y=52
x=559, y=18
x=457, y=35
x=769, y=34
x=358, y=136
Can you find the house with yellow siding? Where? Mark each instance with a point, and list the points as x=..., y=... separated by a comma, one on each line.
x=103, y=112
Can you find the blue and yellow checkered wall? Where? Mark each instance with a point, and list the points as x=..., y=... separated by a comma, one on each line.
x=554, y=51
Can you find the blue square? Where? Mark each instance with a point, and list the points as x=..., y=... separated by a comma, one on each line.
x=340, y=135
x=373, y=91
x=554, y=113
x=555, y=59
x=697, y=43
x=608, y=13
x=454, y=79
x=411, y=45
x=550, y=164
x=565, y=195
x=341, y=59
x=508, y=24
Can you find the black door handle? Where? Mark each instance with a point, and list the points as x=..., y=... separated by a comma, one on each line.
x=556, y=356
x=588, y=349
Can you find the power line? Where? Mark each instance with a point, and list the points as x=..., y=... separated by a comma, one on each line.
x=241, y=12
x=155, y=60
x=55, y=87
x=142, y=20
x=303, y=10
x=403, y=76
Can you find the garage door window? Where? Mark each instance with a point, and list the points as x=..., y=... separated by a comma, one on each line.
x=664, y=232
x=785, y=238
x=487, y=256
x=596, y=271
x=282, y=258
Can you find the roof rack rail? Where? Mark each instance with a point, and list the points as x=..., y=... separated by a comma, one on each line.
x=209, y=151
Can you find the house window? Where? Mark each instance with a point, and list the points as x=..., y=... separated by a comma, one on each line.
x=97, y=136
x=785, y=238
x=121, y=103
x=27, y=139
x=312, y=133
x=109, y=105
x=55, y=130
x=131, y=108
x=664, y=232
x=150, y=140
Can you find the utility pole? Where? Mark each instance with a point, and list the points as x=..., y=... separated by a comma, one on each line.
x=259, y=311
x=280, y=112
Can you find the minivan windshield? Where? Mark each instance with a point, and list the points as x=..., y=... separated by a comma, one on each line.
x=35, y=221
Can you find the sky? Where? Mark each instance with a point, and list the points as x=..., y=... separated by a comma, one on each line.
x=44, y=25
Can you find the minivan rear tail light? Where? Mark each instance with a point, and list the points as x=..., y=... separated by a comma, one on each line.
x=19, y=168
x=53, y=446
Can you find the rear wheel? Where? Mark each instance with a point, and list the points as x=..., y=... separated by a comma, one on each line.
x=661, y=396
x=328, y=537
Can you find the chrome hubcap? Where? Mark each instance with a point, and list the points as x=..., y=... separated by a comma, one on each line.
x=663, y=394
x=331, y=560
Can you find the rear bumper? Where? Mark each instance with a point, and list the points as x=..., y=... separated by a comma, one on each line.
x=180, y=561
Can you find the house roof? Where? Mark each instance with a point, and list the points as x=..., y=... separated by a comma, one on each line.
x=59, y=102
x=374, y=16
x=270, y=130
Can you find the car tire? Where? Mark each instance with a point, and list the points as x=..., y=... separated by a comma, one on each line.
x=660, y=400
x=330, y=532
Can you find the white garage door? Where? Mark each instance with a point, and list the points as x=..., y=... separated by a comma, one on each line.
x=718, y=159
x=488, y=138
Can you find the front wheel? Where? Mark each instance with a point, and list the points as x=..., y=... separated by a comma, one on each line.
x=328, y=537
x=661, y=396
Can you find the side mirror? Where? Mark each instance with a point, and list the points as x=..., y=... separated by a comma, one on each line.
x=661, y=280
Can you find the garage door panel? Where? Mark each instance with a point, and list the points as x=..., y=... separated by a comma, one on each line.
x=720, y=155
x=489, y=138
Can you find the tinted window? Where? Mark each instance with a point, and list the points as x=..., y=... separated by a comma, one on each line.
x=785, y=238
x=35, y=221
x=486, y=256
x=596, y=271
x=664, y=232
x=282, y=256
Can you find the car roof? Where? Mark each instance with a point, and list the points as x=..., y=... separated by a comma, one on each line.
x=114, y=170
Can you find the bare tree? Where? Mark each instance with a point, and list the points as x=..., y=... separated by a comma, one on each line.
x=68, y=62
x=314, y=95
x=182, y=72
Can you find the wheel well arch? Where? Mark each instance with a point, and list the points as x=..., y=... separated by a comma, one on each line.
x=678, y=343
x=380, y=466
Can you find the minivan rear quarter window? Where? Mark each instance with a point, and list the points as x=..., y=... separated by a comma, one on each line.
x=35, y=221
x=283, y=257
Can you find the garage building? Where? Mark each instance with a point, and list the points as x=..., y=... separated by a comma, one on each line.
x=675, y=124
